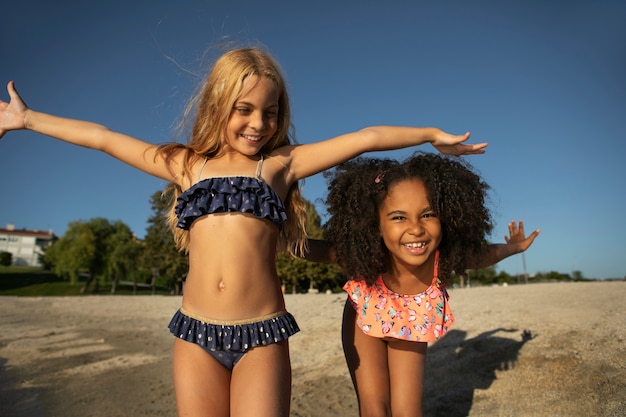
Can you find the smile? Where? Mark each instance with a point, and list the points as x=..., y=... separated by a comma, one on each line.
x=415, y=245
x=252, y=138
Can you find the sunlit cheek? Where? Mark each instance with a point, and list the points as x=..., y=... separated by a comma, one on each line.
x=272, y=126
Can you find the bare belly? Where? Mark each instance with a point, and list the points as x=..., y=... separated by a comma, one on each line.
x=232, y=272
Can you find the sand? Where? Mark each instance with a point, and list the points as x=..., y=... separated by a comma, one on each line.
x=108, y=356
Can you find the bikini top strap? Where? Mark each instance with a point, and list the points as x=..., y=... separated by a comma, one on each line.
x=201, y=168
x=436, y=268
x=259, y=167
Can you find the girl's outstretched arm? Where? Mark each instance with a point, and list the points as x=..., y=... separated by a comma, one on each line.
x=309, y=159
x=516, y=242
x=141, y=155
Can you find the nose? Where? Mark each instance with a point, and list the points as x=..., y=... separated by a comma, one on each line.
x=416, y=228
x=257, y=120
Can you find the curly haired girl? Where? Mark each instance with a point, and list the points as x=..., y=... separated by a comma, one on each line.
x=400, y=230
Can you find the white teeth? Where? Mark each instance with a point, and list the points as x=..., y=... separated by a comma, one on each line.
x=415, y=245
x=252, y=138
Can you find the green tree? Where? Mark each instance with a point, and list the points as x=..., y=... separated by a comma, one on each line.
x=100, y=230
x=485, y=276
x=554, y=276
x=96, y=248
x=73, y=252
x=166, y=265
x=123, y=252
x=504, y=277
x=6, y=258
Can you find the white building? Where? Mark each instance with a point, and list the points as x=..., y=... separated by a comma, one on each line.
x=25, y=245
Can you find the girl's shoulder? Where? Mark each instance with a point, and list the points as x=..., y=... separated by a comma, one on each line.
x=283, y=153
x=182, y=162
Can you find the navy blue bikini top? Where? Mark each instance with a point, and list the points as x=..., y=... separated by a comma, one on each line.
x=237, y=194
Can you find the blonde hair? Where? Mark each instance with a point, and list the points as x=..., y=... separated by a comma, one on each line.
x=212, y=106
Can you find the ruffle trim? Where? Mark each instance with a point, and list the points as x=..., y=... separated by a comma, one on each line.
x=381, y=312
x=236, y=337
x=229, y=194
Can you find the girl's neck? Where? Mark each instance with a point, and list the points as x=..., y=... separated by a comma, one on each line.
x=230, y=154
x=405, y=279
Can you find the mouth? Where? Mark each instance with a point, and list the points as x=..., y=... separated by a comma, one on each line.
x=416, y=248
x=252, y=138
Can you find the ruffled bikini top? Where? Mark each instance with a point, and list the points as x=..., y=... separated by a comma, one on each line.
x=236, y=194
x=382, y=313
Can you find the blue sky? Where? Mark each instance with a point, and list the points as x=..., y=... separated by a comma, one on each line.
x=542, y=81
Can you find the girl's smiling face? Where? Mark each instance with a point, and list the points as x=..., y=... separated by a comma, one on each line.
x=253, y=119
x=410, y=229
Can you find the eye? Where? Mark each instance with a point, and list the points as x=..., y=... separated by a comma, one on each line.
x=398, y=217
x=242, y=110
x=429, y=215
x=271, y=114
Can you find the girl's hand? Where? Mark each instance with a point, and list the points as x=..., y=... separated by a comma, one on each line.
x=453, y=144
x=517, y=237
x=516, y=242
x=12, y=114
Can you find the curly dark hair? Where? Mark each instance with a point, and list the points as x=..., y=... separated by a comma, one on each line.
x=357, y=188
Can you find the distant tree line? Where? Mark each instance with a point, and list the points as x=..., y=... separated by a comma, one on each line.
x=489, y=276
x=100, y=251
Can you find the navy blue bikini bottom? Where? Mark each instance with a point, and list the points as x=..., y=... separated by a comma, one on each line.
x=228, y=341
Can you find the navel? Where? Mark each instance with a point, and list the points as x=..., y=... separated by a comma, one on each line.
x=221, y=285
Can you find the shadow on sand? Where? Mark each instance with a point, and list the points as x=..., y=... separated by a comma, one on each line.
x=456, y=366
x=16, y=401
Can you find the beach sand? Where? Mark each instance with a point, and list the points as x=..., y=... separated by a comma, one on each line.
x=109, y=356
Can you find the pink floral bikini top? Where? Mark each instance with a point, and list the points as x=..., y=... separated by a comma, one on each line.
x=383, y=313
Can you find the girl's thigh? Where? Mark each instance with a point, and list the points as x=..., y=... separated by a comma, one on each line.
x=366, y=357
x=201, y=383
x=407, y=361
x=261, y=382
